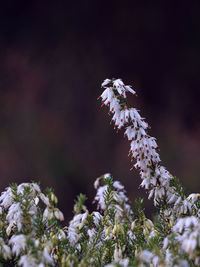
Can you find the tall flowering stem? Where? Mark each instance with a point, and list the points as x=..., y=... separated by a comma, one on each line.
x=156, y=180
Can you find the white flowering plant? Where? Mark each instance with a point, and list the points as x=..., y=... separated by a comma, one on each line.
x=116, y=233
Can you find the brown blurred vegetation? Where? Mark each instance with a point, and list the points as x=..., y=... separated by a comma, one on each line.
x=54, y=56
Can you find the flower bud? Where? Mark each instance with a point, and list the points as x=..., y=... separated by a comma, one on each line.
x=54, y=198
x=133, y=224
x=148, y=223
x=145, y=232
x=116, y=229
x=108, y=230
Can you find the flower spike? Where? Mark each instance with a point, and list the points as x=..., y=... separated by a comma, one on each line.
x=143, y=148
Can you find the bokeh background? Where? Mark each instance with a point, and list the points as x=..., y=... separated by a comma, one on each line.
x=54, y=56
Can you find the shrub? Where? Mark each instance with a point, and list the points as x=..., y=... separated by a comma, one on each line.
x=117, y=233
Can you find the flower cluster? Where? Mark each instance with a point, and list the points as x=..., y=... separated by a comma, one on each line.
x=26, y=227
x=143, y=148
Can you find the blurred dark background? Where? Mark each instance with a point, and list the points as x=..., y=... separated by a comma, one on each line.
x=54, y=56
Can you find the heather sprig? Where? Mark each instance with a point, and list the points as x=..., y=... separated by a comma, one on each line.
x=156, y=180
